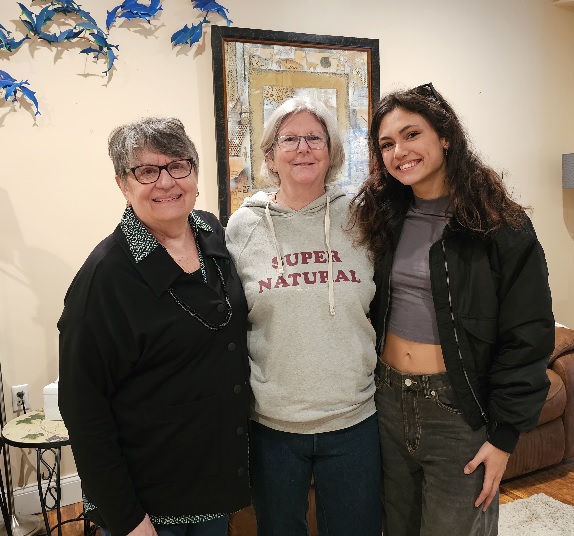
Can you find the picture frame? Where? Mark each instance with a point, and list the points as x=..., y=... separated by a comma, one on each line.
x=256, y=70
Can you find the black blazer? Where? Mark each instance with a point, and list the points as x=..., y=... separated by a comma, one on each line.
x=155, y=402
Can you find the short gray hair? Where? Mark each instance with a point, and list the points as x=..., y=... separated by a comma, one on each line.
x=294, y=106
x=165, y=135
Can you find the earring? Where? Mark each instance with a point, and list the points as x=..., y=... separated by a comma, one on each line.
x=446, y=152
x=197, y=194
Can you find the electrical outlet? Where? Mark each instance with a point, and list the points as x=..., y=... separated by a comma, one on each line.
x=17, y=401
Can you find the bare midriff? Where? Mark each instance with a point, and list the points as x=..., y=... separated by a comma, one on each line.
x=412, y=357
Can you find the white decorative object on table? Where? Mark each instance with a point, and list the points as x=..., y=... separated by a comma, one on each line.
x=51, y=409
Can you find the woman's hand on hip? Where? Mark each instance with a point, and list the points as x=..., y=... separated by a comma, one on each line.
x=494, y=461
x=145, y=528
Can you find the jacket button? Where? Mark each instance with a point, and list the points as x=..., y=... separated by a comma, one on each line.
x=408, y=382
x=231, y=346
x=240, y=430
x=241, y=471
x=237, y=389
x=220, y=308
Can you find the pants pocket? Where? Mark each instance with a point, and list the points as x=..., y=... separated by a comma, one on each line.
x=444, y=399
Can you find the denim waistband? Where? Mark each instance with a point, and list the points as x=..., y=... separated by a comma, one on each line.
x=413, y=382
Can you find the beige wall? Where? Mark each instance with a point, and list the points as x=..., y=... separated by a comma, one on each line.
x=507, y=66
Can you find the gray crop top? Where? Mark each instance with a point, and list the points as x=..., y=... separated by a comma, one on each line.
x=412, y=315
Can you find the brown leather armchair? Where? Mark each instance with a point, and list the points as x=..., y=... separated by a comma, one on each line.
x=553, y=439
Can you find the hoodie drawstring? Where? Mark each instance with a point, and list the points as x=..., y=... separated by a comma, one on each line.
x=277, y=250
x=281, y=265
x=330, y=261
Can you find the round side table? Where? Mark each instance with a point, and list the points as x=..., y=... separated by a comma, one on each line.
x=32, y=430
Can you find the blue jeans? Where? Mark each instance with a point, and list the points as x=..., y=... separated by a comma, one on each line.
x=214, y=527
x=345, y=465
x=425, y=444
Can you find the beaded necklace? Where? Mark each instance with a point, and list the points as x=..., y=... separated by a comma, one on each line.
x=196, y=315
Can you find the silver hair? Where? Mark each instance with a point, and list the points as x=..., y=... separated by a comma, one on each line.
x=289, y=108
x=165, y=135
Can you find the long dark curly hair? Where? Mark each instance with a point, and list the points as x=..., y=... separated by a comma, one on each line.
x=479, y=199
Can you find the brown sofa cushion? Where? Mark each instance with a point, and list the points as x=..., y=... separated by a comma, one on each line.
x=564, y=342
x=541, y=447
x=555, y=400
x=564, y=367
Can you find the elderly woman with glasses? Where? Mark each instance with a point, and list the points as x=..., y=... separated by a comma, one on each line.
x=311, y=344
x=153, y=357
x=463, y=316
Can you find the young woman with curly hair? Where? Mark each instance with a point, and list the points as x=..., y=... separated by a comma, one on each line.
x=462, y=313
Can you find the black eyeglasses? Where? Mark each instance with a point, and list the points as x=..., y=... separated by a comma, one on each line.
x=147, y=173
x=428, y=91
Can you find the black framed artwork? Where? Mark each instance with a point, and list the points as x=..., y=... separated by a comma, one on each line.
x=254, y=71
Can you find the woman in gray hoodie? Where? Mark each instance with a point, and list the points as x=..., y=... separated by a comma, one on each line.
x=311, y=345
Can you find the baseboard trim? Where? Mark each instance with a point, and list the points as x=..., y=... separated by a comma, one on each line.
x=27, y=500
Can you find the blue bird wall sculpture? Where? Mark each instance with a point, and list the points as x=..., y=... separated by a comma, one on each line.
x=7, y=42
x=84, y=26
x=210, y=5
x=103, y=47
x=131, y=9
x=11, y=88
x=190, y=35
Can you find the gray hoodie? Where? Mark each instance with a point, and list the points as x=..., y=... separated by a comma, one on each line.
x=308, y=288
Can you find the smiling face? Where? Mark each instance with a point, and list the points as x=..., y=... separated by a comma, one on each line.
x=413, y=153
x=163, y=203
x=304, y=167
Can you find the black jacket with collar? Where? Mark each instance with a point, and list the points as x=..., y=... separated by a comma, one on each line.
x=496, y=328
x=156, y=404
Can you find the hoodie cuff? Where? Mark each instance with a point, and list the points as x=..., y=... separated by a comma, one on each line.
x=504, y=437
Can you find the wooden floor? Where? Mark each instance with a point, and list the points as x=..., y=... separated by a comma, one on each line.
x=556, y=482
x=74, y=528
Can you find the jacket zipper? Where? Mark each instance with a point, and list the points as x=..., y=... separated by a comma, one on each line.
x=482, y=412
x=384, y=333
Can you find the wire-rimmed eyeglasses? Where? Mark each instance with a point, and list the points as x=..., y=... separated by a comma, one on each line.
x=148, y=173
x=290, y=142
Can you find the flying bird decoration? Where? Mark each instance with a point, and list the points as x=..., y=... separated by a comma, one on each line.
x=131, y=9
x=84, y=18
x=103, y=47
x=8, y=43
x=70, y=5
x=209, y=6
x=84, y=26
x=35, y=23
x=191, y=35
x=11, y=89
